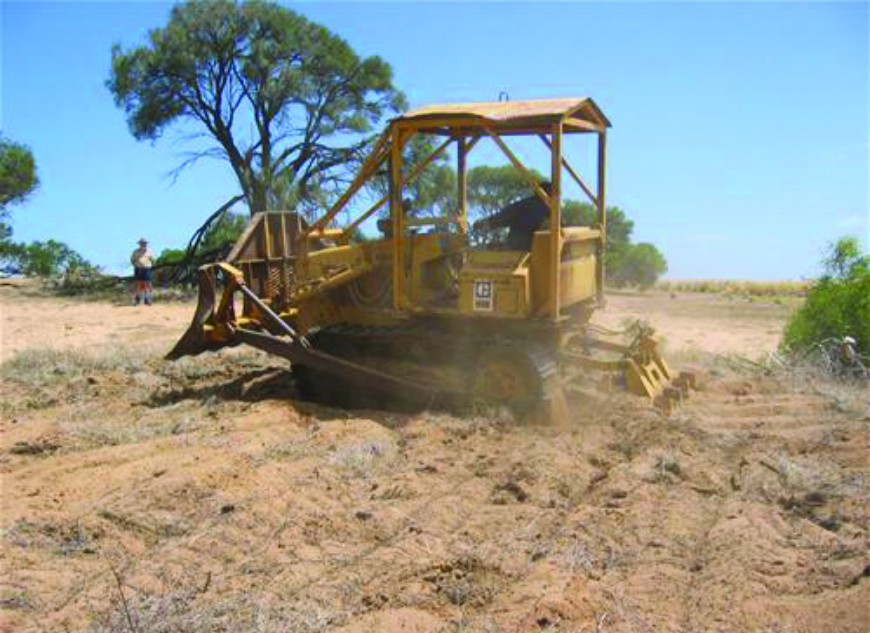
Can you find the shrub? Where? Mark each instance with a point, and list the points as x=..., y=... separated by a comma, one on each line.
x=51, y=259
x=169, y=256
x=180, y=265
x=838, y=304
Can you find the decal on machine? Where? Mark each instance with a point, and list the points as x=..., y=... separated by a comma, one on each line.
x=483, y=295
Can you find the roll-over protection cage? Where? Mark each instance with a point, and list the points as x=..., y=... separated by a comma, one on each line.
x=464, y=125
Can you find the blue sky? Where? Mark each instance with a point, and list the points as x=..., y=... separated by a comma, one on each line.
x=739, y=142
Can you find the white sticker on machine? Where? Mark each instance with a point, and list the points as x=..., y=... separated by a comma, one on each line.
x=483, y=295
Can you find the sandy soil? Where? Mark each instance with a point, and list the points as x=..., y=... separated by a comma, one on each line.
x=695, y=322
x=686, y=322
x=140, y=495
x=29, y=318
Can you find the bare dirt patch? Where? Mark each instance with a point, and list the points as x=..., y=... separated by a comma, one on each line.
x=703, y=324
x=31, y=318
x=140, y=495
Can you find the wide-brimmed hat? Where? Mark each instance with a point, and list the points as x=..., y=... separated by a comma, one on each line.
x=142, y=240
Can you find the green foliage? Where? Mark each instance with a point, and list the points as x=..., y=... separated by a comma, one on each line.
x=838, y=304
x=215, y=242
x=48, y=259
x=623, y=266
x=18, y=180
x=10, y=252
x=619, y=227
x=491, y=189
x=45, y=259
x=576, y=213
x=52, y=258
x=845, y=259
x=358, y=236
x=628, y=264
x=170, y=256
x=639, y=264
x=223, y=233
x=433, y=191
x=284, y=99
x=18, y=177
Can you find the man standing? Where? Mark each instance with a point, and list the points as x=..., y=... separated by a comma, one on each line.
x=142, y=261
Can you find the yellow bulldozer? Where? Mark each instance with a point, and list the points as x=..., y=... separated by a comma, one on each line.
x=429, y=311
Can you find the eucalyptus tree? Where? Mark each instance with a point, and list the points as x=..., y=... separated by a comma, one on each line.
x=18, y=178
x=287, y=103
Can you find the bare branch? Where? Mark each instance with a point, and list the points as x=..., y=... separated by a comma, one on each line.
x=190, y=159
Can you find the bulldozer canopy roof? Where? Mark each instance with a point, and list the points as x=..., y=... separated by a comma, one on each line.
x=573, y=112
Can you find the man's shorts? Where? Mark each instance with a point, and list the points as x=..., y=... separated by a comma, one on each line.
x=142, y=274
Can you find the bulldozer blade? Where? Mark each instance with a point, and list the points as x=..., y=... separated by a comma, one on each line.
x=194, y=340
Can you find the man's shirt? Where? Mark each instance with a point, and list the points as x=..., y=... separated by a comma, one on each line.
x=142, y=258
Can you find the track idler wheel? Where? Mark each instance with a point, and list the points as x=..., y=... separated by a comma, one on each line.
x=517, y=380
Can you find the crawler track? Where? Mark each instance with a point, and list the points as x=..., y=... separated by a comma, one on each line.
x=430, y=354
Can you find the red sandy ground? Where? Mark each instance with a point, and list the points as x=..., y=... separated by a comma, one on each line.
x=144, y=496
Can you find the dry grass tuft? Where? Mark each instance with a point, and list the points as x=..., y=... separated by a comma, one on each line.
x=96, y=432
x=188, y=610
x=37, y=367
x=362, y=460
x=846, y=394
x=465, y=581
x=740, y=287
x=576, y=557
x=668, y=463
x=63, y=538
x=795, y=374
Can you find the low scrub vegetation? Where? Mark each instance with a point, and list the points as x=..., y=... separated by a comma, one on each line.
x=742, y=287
x=837, y=306
x=360, y=461
x=45, y=366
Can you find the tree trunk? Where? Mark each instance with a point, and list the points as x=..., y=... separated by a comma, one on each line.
x=257, y=201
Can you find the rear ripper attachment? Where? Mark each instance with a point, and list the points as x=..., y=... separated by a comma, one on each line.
x=639, y=364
